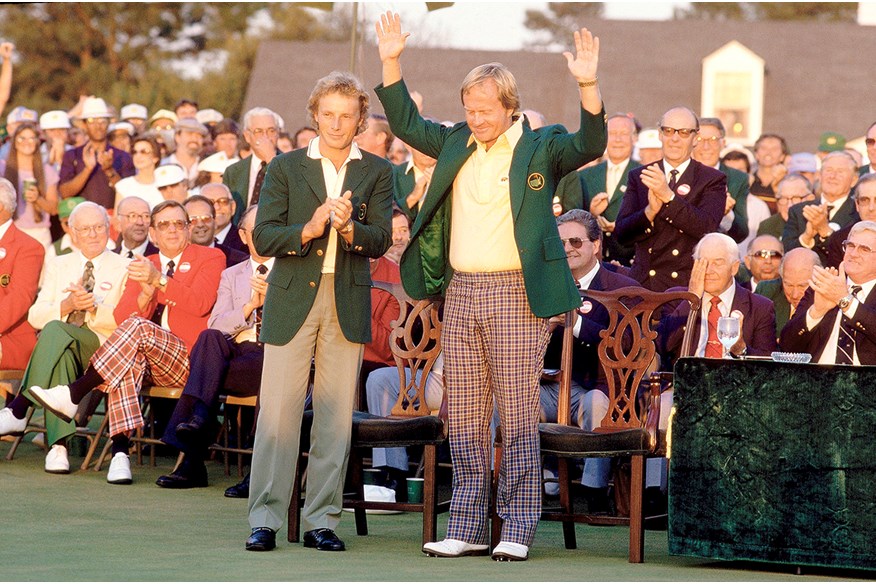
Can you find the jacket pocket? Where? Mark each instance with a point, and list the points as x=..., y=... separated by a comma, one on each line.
x=553, y=249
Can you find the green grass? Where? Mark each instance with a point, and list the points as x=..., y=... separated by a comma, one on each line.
x=78, y=527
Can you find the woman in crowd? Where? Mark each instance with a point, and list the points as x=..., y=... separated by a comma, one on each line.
x=36, y=182
x=146, y=154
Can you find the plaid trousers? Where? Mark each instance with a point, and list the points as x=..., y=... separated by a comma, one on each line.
x=494, y=349
x=138, y=346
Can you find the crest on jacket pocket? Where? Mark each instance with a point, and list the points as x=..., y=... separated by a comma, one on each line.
x=535, y=181
x=363, y=208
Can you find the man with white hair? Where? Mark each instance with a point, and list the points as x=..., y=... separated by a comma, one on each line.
x=75, y=315
x=836, y=319
x=716, y=261
x=261, y=129
x=21, y=258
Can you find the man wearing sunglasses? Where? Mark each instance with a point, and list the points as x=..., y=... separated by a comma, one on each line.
x=865, y=205
x=164, y=307
x=670, y=205
x=202, y=220
x=835, y=321
x=762, y=261
x=870, y=142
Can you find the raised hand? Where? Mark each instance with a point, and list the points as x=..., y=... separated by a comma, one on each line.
x=697, y=282
x=390, y=39
x=584, y=63
x=6, y=50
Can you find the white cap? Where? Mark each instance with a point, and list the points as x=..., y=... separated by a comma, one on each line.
x=95, y=107
x=209, y=116
x=217, y=162
x=127, y=127
x=169, y=174
x=22, y=114
x=135, y=111
x=649, y=138
x=54, y=120
x=163, y=114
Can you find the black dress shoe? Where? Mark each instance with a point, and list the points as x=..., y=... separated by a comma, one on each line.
x=262, y=539
x=240, y=490
x=324, y=540
x=190, y=432
x=187, y=476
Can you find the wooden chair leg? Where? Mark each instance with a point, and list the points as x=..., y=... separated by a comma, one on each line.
x=637, y=515
x=95, y=442
x=565, y=482
x=19, y=439
x=430, y=493
x=496, y=523
x=293, y=527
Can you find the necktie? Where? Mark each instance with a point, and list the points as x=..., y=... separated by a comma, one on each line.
x=262, y=269
x=159, y=310
x=77, y=317
x=829, y=210
x=614, y=173
x=673, y=175
x=129, y=255
x=257, y=187
x=714, y=350
x=845, y=343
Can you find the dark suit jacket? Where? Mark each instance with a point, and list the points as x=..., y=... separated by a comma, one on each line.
x=664, y=249
x=799, y=339
x=586, y=368
x=758, y=326
x=232, y=256
x=236, y=178
x=832, y=249
x=772, y=289
x=232, y=240
x=294, y=187
x=150, y=248
x=577, y=189
x=20, y=265
x=189, y=297
x=540, y=159
x=796, y=224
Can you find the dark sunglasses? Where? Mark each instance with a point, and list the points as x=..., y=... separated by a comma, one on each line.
x=575, y=242
x=766, y=254
x=869, y=141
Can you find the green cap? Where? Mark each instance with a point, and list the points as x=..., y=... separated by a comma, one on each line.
x=65, y=207
x=831, y=142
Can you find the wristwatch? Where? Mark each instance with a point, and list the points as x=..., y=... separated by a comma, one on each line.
x=845, y=301
x=347, y=228
x=162, y=281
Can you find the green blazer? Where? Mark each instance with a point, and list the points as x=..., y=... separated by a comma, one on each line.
x=402, y=185
x=737, y=185
x=773, y=225
x=772, y=289
x=540, y=159
x=294, y=187
x=236, y=178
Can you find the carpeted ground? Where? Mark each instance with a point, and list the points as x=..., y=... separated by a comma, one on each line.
x=78, y=527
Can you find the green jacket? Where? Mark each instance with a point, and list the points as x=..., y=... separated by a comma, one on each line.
x=294, y=187
x=737, y=185
x=236, y=178
x=540, y=159
x=772, y=289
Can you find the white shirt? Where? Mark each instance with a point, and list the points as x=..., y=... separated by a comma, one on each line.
x=584, y=283
x=725, y=307
x=221, y=235
x=139, y=250
x=334, y=182
x=249, y=334
x=5, y=227
x=828, y=355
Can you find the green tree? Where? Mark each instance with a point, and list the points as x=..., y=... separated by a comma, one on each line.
x=560, y=20
x=820, y=11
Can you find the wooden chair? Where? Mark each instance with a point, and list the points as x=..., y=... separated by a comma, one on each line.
x=630, y=427
x=237, y=404
x=416, y=343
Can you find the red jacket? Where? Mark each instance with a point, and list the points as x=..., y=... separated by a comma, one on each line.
x=21, y=259
x=190, y=295
x=384, y=310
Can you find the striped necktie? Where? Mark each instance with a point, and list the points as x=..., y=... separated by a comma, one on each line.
x=845, y=343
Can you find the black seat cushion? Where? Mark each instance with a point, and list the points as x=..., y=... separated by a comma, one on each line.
x=370, y=430
x=573, y=441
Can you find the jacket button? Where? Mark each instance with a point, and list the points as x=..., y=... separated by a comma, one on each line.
x=675, y=252
x=652, y=273
x=319, y=252
x=650, y=250
x=674, y=274
x=313, y=284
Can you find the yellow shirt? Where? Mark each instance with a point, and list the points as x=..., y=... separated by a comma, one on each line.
x=482, y=229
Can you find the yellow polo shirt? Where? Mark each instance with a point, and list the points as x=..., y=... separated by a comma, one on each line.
x=482, y=229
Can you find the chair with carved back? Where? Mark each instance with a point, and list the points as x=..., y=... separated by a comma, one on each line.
x=630, y=427
x=415, y=341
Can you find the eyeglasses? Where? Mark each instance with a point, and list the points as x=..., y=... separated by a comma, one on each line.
x=869, y=141
x=86, y=229
x=259, y=132
x=780, y=200
x=223, y=202
x=200, y=218
x=700, y=139
x=178, y=225
x=575, y=242
x=163, y=127
x=132, y=217
x=852, y=246
x=683, y=132
x=97, y=121
x=766, y=254
x=141, y=151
